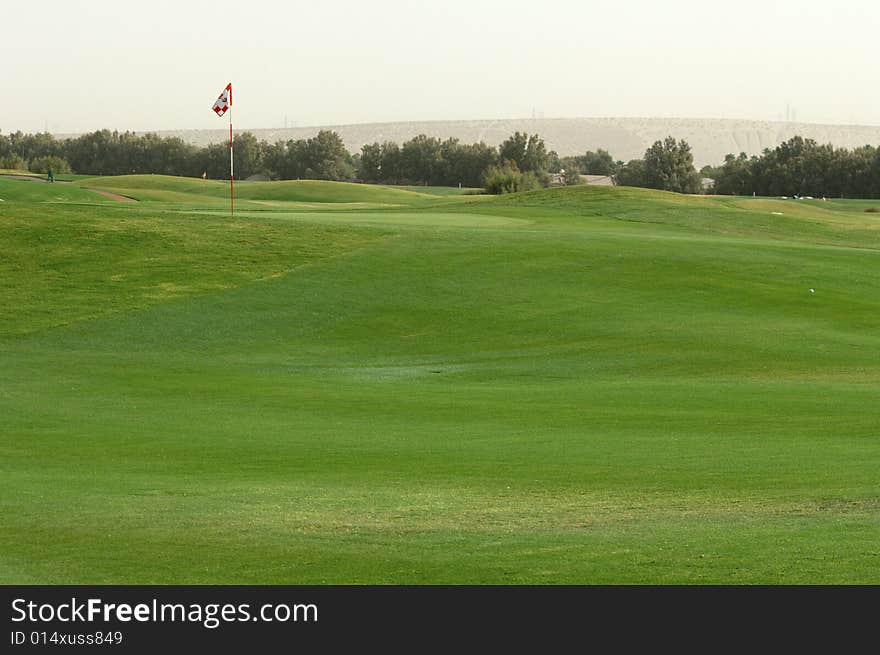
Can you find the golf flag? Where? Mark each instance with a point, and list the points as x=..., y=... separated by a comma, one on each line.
x=224, y=102
x=221, y=106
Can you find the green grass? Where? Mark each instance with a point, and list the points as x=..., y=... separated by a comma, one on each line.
x=579, y=385
x=34, y=192
x=255, y=195
x=443, y=190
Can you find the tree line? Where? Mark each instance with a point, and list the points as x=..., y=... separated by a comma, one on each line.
x=796, y=167
x=801, y=167
x=120, y=153
x=421, y=160
x=521, y=162
x=667, y=165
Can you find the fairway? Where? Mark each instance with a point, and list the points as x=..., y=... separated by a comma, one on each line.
x=361, y=384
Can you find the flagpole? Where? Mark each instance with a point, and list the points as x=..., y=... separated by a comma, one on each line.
x=231, y=165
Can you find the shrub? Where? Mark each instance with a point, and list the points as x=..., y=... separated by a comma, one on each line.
x=572, y=177
x=46, y=164
x=13, y=163
x=507, y=178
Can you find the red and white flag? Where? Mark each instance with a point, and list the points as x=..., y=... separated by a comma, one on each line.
x=224, y=102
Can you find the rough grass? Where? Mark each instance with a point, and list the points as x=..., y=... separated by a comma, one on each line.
x=570, y=386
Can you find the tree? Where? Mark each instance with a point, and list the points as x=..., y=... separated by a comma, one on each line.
x=214, y=160
x=874, y=190
x=392, y=166
x=734, y=177
x=598, y=163
x=471, y=163
x=464, y=164
x=420, y=159
x=274, y=156
x=32, y=146
x=296, y=161
x=507, y=178
x=514, y=149
x=46, y=164
x=572, y=177
x=322, y=157
x=669, y=165
x=248, y=153
x=370, y=164
x=593, y=163
x=327, y=158
x=92, y=153
x=528, y=152
x=446, y=172
x=13, y=161
x=632, y=174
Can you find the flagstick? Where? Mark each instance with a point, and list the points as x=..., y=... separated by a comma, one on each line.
x=231, y=165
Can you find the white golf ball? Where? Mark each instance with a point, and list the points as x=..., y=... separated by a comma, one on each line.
x=812, y=291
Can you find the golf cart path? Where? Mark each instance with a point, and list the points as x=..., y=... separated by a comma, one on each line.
x=31, y=178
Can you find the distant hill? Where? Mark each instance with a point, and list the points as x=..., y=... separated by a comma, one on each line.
x=624, y=138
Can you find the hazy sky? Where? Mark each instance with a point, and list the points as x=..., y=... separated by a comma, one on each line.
x=77, y=65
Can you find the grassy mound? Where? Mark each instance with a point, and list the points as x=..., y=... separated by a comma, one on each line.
x=178, y=189
x=36, y=190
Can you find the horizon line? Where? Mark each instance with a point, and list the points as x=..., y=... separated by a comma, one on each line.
x=463, y=120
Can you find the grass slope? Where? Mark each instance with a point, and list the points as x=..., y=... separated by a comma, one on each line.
x=15, y=190
x=254, y=194
x=605, y=386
